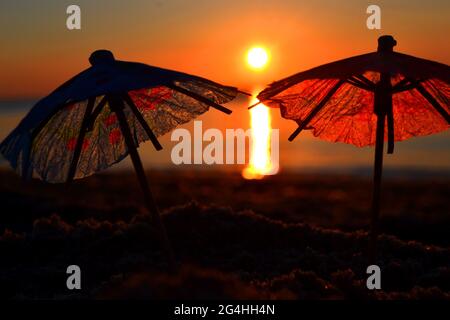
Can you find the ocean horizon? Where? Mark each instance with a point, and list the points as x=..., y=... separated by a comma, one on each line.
x=411, y=157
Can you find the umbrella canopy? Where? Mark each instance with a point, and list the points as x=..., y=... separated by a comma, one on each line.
x=101, y=115
x=365, y=100
x=336, y=100
x=156, y=101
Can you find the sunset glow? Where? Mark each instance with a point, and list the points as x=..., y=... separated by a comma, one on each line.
x=260, y=163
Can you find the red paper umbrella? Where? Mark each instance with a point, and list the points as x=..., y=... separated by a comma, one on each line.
x=365, y=100
x=101, y=115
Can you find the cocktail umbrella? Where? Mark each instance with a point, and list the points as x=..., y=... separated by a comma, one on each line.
x=101, y=115
x=365, y=100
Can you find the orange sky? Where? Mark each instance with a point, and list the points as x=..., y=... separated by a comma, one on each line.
x=210, y=39
x=207, y=38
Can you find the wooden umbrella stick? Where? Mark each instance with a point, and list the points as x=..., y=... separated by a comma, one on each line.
x=117, y=105
x=376, y=195
x=390, y=127
x=382, y=108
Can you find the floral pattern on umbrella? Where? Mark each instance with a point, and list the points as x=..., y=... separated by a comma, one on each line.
x=349, y=117
x=162, y=107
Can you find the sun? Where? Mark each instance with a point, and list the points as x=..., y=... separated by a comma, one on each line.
x=257, y=57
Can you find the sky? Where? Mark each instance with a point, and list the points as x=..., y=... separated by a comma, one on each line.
x=210, y=39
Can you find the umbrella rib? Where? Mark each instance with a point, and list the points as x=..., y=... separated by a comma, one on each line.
x=400, y=85
x=358, y=83
x=365, y=80
x=80, y=139
x=432, y=101
x=319, y=107
x=254, y=105
x=399, y=89
x=199, y=98
x=93, y=117
x=142, y=121
x=244, y=93
x=404, y=85
x=39, y=128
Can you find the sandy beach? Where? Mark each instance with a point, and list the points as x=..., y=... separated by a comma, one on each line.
x=291, y=236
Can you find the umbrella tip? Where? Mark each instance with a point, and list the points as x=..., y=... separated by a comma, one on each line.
x=386, y=43
x=101, y=57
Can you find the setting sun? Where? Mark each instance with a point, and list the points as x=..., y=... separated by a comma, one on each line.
x=257, y=57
